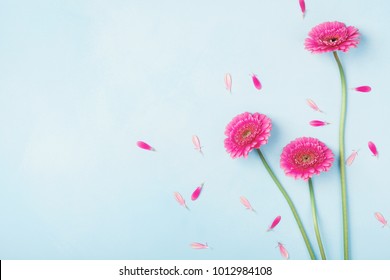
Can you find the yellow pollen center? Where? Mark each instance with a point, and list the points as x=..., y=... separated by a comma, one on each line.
x=246, y=133
x=305, y=158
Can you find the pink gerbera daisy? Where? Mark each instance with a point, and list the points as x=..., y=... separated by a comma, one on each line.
x=332, y=36
x=304, y=157
x=247, y=132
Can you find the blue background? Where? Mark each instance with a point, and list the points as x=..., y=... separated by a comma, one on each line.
x=82, y=81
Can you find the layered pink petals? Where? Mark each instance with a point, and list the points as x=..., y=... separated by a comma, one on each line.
x=332, y=36
x=304, y=157
x=246, y=132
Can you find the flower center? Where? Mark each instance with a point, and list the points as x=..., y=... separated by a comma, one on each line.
x=332, y=39
x=305, y=159
x=246, y=133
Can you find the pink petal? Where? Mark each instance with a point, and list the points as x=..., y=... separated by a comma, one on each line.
x=351, y=157
x=318, y=123
x=180, y=199
x=197, y=192
x=246, y=203
x=303, y=7
x=196, y=142
x=313, y=105
x=145, y=146
x=380, y=218
x=372, y=148
x=256, y=82
x=228, y=82
x=363, y=88
x=197, y=245
x=283, y=251
x=274, y=223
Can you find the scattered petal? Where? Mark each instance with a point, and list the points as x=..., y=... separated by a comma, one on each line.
x=246, y=203
x=196, y=245
x=363, y=89
x=283, y=251
x=373, y=148
x=197, y=192
x=318, y=123
x=313, y=105
x=351, y=157
x=381, y=219
x=196, y=141
x=228, y=82
x=145, y=146
x=256, y=82
x=181, y=200
x=303, y=7
x=274, y=223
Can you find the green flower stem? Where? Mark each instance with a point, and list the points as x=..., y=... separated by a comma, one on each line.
x=342, y=156
x=290, y=203
x=315, y=221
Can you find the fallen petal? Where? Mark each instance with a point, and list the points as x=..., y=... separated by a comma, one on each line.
x=246, y=203
x=145, y=146
x=274, y=223
x=318, y=123
x=197, y=245
x=180, y=199
x=363, y=89
x=380, y=218
x=196, y=142
x=313, y=105
x=228, y=82
x=283, y=251
x=197, y=192
x=351, y=157
x=373, y=148
x=303, y=7
x=256, y=82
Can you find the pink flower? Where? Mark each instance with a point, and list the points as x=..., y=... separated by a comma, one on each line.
x=332, y=36
x=247, y=132
x=304, y=157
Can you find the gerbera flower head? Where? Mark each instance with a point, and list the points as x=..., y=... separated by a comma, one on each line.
x=304, y=157
x=247, y=132
x=332, y=36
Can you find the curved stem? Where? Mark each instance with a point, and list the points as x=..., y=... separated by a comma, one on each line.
x=315, y=221
x=342, y=156
x=290, y=203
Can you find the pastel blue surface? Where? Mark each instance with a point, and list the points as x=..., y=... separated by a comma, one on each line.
x=82, y=81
